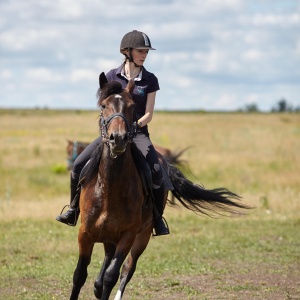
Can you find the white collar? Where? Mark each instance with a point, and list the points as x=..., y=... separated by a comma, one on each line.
x=137, y=78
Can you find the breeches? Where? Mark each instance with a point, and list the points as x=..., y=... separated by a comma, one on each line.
x=144, y=145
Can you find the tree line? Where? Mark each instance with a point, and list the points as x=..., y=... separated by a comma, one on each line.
x=280, y=107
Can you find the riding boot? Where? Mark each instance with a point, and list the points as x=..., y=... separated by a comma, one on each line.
x=159, y=223
x=70, y=217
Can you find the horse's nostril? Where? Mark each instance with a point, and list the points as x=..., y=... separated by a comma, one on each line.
x=118, y=138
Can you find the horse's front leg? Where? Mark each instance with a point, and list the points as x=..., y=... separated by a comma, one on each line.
x=80, y=274
x=112, y=273
x=109, y=253
x=129, y=267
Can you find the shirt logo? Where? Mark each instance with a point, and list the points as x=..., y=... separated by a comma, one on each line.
x=141, y=90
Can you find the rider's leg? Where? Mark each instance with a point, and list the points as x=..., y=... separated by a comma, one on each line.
x=160, y=226
x=145, y=146
x=71, y=216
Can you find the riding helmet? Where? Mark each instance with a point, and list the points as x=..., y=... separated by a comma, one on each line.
x=135, y=39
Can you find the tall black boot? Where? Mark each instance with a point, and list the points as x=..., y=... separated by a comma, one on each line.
x=70, y=217
x=159, y=223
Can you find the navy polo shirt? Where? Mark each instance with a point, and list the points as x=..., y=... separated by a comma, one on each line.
x=145, y=83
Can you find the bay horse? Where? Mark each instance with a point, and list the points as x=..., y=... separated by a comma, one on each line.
x=74, y=149
x=114, y=208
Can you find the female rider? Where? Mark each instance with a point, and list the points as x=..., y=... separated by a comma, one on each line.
x=135, y=46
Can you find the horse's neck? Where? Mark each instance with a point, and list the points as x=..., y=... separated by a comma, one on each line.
x=114, y=169
x=116, y=178
x=120, y=186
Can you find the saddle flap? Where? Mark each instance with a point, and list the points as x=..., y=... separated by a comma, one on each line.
x=145, y=171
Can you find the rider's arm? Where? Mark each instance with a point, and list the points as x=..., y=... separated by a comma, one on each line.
x=147, y=117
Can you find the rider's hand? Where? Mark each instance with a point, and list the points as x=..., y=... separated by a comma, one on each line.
x=135, y=128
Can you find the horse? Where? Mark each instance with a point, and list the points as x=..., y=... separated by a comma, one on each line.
x=74, y=149
x=115, y=209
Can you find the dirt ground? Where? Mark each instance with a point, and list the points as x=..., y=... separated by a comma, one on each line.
x=258, y=283
x=238, y=282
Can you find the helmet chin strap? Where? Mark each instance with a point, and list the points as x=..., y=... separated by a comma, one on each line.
x=130, y=58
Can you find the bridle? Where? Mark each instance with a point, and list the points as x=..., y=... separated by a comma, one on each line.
x=104, y=125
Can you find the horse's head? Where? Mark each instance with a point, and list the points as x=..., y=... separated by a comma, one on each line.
x=116, y=117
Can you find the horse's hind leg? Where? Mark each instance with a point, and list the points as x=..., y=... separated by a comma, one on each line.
x=109, y=253
x=129, y=267
x=80, y=274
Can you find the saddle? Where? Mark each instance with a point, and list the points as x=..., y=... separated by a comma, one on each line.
x=144, y=171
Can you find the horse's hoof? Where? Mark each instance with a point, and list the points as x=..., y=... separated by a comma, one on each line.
x=97, y=293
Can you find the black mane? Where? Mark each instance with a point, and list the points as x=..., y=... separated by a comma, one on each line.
x=113, y=87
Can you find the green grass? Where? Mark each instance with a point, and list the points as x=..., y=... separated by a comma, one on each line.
x=38, y=257
x=255, y=256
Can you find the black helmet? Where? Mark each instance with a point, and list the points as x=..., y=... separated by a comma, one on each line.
x=135, y=39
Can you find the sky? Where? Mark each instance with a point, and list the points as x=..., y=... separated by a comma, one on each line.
x=211, y=54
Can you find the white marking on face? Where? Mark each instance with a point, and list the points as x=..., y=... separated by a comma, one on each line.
x=118, y=96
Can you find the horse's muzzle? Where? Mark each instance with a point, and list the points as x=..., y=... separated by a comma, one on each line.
x=118, y=142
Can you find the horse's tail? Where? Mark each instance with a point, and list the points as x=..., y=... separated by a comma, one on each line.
x=175, y=157
x=209, y=202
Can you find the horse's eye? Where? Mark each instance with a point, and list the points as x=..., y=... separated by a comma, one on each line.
x=103, y=106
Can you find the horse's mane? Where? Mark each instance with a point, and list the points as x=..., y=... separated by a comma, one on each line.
x=113, y=87
x=93, y=165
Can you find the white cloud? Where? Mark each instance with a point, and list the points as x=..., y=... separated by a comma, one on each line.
x=43, y=75
x=276, y=19
x=215, y=54
x=79, y=75
x=227, y=101
x=6, y=74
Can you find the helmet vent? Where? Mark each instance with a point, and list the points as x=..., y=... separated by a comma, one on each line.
x=147, y=44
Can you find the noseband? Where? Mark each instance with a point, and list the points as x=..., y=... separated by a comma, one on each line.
x=104, y=125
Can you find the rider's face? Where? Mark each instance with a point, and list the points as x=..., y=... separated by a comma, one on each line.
x=139, y=55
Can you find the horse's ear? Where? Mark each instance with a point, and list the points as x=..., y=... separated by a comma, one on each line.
x=102, y=80
x=130, y=86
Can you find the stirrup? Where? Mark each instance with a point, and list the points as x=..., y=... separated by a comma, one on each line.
x=65, y=221
x=166, y=226
x=64, y=209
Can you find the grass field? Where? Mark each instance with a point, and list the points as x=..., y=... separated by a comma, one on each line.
x=252, y=257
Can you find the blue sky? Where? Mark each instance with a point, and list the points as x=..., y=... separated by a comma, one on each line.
x=211, y=54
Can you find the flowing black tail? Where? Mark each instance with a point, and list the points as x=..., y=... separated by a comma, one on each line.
x=219, y=201
x=175, y=157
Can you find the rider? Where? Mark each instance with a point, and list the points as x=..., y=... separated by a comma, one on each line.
x=135, y=46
